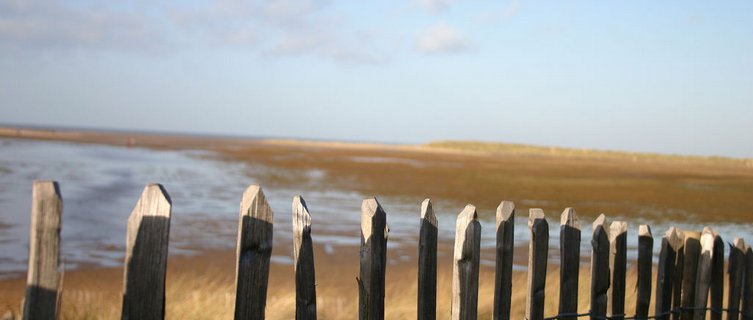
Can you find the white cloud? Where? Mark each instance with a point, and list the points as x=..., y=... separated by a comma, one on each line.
x=434, y=5
x=442, y=38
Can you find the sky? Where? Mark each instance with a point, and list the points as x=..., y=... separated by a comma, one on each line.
x=650, y=76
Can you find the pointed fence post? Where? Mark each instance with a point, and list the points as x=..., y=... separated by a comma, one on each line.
x=570, y=264
x=538, y=251
x=599, y=268
x=671, y=244
x=373, y=254
x=303, y=259
x=736, y=277
x=677, y=277
x=254, y=249
x=617, y=266
x=692, y=250
x=466, y=265
x=505, y=247
x=427, y=263
x=146, y=255
x=703, y=275
x=747, y=299
x=43, y=277
x=716, y=290
x=645, y=255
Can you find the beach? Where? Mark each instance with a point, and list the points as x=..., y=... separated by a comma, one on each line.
x=206, y=176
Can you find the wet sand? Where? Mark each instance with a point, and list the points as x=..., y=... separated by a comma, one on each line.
x=657, y=190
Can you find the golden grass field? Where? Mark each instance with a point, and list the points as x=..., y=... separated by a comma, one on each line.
x=656, y=187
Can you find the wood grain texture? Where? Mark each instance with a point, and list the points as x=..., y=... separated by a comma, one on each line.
x=303, y=262
x=692, y=253
x=599, y=268
x=374, y=232
x=677, y=277
x=253, y=251
x=43, y=277
x=504, y=256
x=538, y=251
x=716, y=289
x=617, y=266
x=703, y=274
x=146, y=255
x=427, y=263
x=645, y=260
x=465, y=265
x=570, y=264
x=670, y=246
x=736, y=276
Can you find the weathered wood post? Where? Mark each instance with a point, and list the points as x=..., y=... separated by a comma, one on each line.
x=747, y=301
x=671, y=244
x=736, y=277
x=427, y=263
x=716, y=290
x=570, y=264
x=538, y=251
x=254, y=249
x=466, y=265
x=43, y=277
x=503, y=272
x=599, y=268
x=703, y=275
x=618, y=266
x=146, y=255
x=374, y=232
x=303, y=259
x=692, y=250
x=645, y=255
x=677, y=277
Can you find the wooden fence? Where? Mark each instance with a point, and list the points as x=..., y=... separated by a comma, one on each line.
x=690, y=270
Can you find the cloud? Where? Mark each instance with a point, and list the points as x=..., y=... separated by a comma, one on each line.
x=442, y=38
x=504, y=13
x=434, y=5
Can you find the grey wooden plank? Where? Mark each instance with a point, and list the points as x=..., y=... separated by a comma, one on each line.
x=570, y=265
x=599, y=268
x=736, y=277
x=747, y=294
x=716, y=289
x=670, y=247
x=465, y=269
x=617, y=267
x=43, y=276
x=427, y=263
x=303, y=261
x=692, y=251
x=645, y=255
x=677, y=278
x=146, y=255
x=703, y=275
x=253, y=251
x=504, y=258
x=538, y=251
x=374, y=232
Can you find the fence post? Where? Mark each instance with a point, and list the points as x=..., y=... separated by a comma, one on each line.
x=374, y=232
x=254, y=249
x=303, y=259
x=671, y=244
x=427, y=263
x=703, y=276
x=43, y=278
x=677, y=276
x=146, y=255
x=503, y=272
x=747, y=303
x=692, y=250
x=466, y=265
x=736, y=276
x=599, y=268
x=538, y=251
x=617, y=266
x=645, y=255
x=570, y=264
x=716, y=290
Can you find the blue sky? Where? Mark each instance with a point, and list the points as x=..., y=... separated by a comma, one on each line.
x=657, y=76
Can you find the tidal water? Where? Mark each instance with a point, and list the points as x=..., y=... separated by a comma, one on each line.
x=101, y=184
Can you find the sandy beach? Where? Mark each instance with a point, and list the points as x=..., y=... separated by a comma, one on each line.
x=662, y=190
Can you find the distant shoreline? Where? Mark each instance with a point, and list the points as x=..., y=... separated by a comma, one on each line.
x=166, y=140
